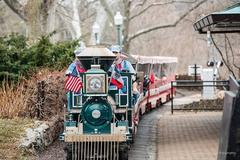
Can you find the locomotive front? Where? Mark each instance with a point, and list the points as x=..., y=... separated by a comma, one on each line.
x=91, y=129
x=96, y=113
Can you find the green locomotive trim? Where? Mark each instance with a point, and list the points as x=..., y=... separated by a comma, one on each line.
x=96, y=116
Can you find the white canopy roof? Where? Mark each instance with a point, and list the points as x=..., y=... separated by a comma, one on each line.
x=96, y=51
x=154, y=59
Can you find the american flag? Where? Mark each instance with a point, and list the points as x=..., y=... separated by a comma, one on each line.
x=73, y=84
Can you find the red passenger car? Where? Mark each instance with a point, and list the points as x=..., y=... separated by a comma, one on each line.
x=155, y=74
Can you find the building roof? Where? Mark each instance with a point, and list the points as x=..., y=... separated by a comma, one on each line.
x=225, y=21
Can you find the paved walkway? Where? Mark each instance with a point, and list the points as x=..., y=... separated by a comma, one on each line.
x=188, y=136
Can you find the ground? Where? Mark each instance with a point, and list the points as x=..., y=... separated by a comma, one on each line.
x=10, y=133
x=163, y=136
x=188, y=136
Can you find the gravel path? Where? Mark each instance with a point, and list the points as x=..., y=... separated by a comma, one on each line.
x=53, y=152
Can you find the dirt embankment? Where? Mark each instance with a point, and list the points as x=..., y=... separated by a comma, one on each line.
x=215, y=104
x=40, y=99
x=48, y=96
x=45, y=104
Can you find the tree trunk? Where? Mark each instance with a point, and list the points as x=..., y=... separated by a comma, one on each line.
x=127, y=5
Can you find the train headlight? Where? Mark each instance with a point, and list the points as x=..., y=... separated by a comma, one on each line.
x=96, y=113
x=95, y=84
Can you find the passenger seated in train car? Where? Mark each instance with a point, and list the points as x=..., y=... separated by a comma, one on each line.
x=122, y=65
x=163, y=73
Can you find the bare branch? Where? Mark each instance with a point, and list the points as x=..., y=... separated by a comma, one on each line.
x=226, y=49
x=87, y=3
x=221, y=54
x=147, y=30
x=139, y=4
x=17, y=8
x=231, y=49
x=159, y=4
x=127, y=5
x=108, y=10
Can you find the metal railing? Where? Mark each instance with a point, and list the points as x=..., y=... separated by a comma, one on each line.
x=195, y=83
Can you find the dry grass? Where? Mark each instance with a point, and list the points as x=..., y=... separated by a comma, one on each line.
x=10, y=132
x=13, y=100
x=54, y=95
x=22, y=100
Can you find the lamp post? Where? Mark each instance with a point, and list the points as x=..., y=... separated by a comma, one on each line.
x=118, y=20
x=212, y=54
x=96, y=30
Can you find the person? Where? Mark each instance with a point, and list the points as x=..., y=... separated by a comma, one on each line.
x=122, y=65
x=73, y=81
x=76, y=67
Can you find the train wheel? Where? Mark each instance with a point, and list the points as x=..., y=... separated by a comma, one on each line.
x=140, y=114
x=123, y=153
x=157, y=103
x=160, y=102
x=148, y=107
x=134, y=133
x=68, y=151
x=168, y=98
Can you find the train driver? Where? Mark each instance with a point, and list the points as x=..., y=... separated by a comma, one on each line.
x=122, y=65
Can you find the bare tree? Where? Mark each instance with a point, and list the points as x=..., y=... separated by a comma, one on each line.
x=225, y=60
x=34, y=14
x=128, y=9
x=17, y=8
x=230, y=58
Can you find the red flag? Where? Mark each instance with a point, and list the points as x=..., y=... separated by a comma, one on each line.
x=79, y=69
x=117, y=79
x=73, y=84
x=117, y=83
x=152, y=77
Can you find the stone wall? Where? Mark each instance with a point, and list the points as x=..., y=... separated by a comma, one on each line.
x=41, y=135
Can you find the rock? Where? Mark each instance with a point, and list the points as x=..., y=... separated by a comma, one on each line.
x=37, y=139
x=220, y=94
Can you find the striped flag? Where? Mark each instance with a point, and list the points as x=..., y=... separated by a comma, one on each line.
x=117, y=79
x=73, y=84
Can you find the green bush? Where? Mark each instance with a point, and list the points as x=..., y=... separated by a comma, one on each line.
x=17, y=58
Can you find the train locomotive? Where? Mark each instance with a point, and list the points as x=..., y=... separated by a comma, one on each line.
x=102, y=119
x=99, y=121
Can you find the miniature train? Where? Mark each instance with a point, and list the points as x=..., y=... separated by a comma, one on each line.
x=101, y=120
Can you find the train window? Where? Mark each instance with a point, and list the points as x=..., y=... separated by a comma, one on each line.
x=156, y=68
x=123, y=93
x=105, y=63
x=163, y=72
x=144, y=68
x=125, y=86
x=77, y=100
